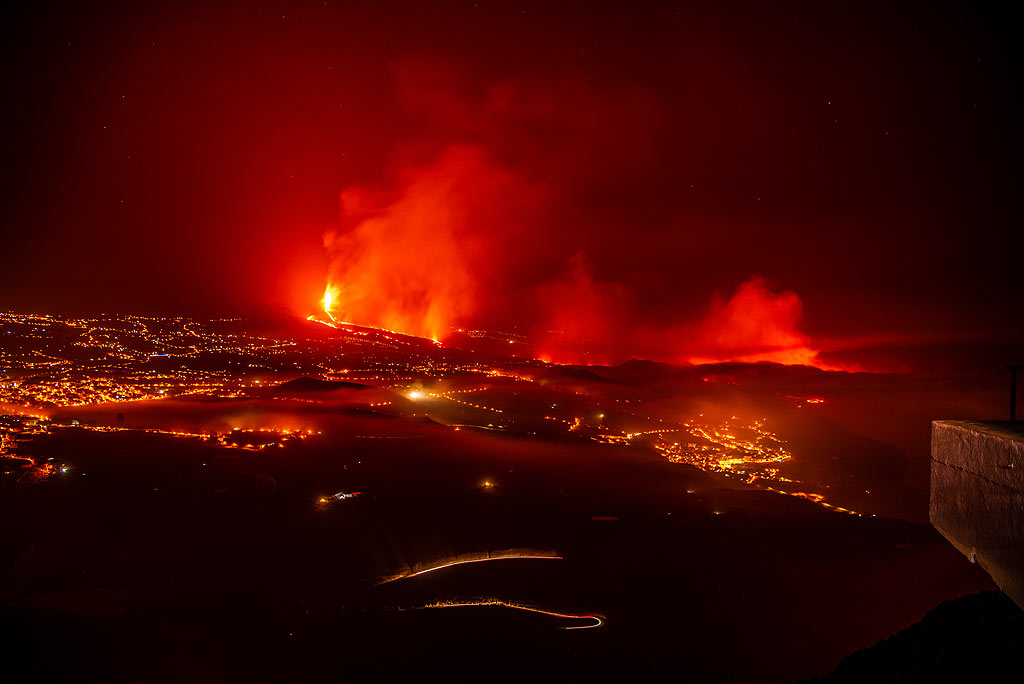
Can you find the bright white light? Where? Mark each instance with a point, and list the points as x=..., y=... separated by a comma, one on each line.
x=415, y=395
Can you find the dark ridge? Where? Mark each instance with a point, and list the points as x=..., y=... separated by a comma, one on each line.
x=367, y=413
x=974, y=638
x=642, y=365
x=306, y=384
x=572, y=373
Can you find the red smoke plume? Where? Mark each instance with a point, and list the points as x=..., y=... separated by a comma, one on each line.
x=755, y=324
x=581, y=316
x=419, y=259
x=501, y=230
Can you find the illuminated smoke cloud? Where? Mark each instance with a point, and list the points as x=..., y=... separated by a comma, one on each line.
x=755, y=324
x=418, y=259
x=505, y=229
x=581, y=316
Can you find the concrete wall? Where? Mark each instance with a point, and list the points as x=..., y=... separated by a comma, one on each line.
x=977, y=496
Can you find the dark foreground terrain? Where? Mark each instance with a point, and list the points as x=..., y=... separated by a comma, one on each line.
x=165, y=559
x=190, y=501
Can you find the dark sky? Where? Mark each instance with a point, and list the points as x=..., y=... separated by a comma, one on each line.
x=646, y=156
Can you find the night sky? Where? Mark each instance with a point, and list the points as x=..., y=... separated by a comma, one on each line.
x=594, y=167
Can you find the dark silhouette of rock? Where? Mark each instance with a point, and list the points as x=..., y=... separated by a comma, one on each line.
x=304, y=384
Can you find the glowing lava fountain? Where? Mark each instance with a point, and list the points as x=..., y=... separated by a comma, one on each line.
x=330, y=297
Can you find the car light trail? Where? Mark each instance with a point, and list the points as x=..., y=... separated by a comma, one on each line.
x=505, y=556
x=481, y=560
x=598, y=620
